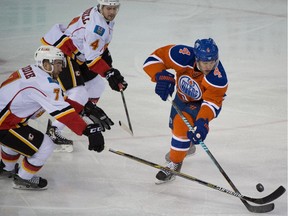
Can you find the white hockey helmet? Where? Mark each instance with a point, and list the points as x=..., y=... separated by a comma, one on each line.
x=109, y=2
x=49, y=53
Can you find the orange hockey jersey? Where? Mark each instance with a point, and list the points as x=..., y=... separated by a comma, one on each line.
x=191, y=84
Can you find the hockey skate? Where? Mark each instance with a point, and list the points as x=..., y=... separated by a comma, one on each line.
x=35, y=183
x=4, y=173
x=62, y=144
x=164, y=176
x=190, y=152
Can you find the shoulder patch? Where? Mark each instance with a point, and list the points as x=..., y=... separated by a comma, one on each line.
x=99, y=30
x=182, y=55
x=217, y=77
x=50, y=80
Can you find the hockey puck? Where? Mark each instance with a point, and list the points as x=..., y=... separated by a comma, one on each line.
x=260, y=187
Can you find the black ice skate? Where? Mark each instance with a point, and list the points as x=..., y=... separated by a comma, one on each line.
x=164, y=176
x=190, y=152
x=35, y=183
x=4, y=173
x=62, y=144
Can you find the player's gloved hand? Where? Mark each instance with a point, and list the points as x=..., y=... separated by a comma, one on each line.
x=201, y=128
x=116, y=80
x=97, y=115
x=165, y=84
x=95, y=137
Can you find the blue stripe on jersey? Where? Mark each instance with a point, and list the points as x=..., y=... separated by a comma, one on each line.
x=151, y=59
x=182, y=55
x=180, y=144
x=216, y=110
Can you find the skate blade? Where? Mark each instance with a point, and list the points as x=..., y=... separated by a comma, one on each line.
x=159, y=182
x=63, y=148
x=27, y=187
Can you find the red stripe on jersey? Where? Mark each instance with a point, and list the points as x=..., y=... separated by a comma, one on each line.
x=14, y=76
x=99, y=66
x=74, y=122
x=10, y=121
x=77, y=106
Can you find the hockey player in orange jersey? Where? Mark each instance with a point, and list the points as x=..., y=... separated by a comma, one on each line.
x=201, y=85
x=26, y=94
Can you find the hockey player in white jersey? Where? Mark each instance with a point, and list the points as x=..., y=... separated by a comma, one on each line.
x=27, y=93
x=85, y=44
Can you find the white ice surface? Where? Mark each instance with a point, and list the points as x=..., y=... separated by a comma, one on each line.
x=249, y=139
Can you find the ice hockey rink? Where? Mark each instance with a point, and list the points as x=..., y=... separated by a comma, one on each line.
x=248, y=139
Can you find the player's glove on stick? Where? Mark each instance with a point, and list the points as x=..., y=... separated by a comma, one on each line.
x=116, y=80
x=165, y=84
x=97, y=115
x=201, y=128
x=95, y=137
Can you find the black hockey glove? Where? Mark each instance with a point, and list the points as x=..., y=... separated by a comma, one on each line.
x=95, y=137
x=97, y=115
x=116, y=80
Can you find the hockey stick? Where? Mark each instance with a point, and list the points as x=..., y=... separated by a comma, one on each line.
x=257, y=209
x=125, y=128
x=126, y=111
x=276, y=194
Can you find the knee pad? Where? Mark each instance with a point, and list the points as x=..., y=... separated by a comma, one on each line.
x=44, y=152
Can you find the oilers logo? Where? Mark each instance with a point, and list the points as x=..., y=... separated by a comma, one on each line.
x=189, y=87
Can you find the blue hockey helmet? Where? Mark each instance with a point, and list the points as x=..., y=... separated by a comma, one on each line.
x=205, y=50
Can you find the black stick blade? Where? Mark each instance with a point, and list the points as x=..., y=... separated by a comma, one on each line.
x=276, y=194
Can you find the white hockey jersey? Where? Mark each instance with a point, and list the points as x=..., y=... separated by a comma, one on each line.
x=31, y=90
x=85, y=38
